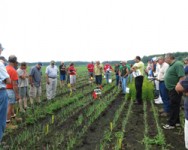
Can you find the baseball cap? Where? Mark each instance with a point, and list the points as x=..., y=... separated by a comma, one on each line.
x=1, y=48
x=155, y=59
x=39, y=63
x=12, y=59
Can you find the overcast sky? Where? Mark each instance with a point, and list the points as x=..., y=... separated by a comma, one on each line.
x=44, y=30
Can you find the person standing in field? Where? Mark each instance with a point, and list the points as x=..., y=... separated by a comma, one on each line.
x=182, y=86
x=116, y=70
x=63, y=72
x=107, y=71
x=163, y=66
x=138, y=72
x=4, y=79
x=124, y=72
x=23, y=86
x=174, y=74
x=90, y=68
x=35, y=83
x=12, y=91
x=72, y=75
x=98, y=70
x=51, y=80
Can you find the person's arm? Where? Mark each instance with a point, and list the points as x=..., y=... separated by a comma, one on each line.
x=182, y=86
x=15, y=88
x=31, y=80
x=7, y=81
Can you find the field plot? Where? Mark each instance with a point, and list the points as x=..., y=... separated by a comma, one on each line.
x=77, y=122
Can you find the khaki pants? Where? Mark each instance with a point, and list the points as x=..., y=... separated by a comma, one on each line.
x=51, y=88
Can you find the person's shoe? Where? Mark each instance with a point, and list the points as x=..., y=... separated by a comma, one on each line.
x=18, y=119
x=158, y=101
x=161, y=110
x=22, y=110
x=13, y=116
x=11, y=126
x=164, y=114
x=137, y=103
x=26, y=108
x=178, y=125
x=168, y=127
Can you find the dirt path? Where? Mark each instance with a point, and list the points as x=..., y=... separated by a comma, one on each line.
x=134, y=131
x=95, y=133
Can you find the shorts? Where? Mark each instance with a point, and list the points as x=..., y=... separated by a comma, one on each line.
x=11, y=96
x=23, y=92
x=72, y=79
x=63, y=77
x=35, y=91
x=90, y=74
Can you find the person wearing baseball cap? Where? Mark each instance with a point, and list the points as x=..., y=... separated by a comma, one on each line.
x=35, y=83
x=12, y=91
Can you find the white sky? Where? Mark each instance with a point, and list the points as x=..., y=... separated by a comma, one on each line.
x=42, y=30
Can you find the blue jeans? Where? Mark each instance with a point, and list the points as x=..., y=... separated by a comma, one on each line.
x=107, y=74
x=124, y=84
x=117, y=80
x=3, y=111
x=164, y=96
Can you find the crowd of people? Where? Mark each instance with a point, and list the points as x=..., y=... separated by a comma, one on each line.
x=169, y=76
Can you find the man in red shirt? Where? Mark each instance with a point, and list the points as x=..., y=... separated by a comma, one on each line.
x=12, y=91
x=107, y=70
x=90, y=68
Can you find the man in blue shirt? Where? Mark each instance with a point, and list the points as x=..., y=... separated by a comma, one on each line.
x=35, y=83
x=4, y=79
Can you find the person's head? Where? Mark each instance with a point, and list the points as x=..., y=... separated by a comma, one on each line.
x=52, y=63
x=1, y=48
x=91, y=62
x=97, y=62
x=185, y=60
x=161, y=60
x=123, y=63
x=12, y=59
x=116, y=64
x=71, y=64
x=137, y=59
x=154, y=60
x=62, y=62
x=2, y=59
x=23, y=65
x=169, y=58
x=39, y=65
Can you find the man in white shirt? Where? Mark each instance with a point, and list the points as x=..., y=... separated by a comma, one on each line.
x=163, y=66
x=51, y=80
